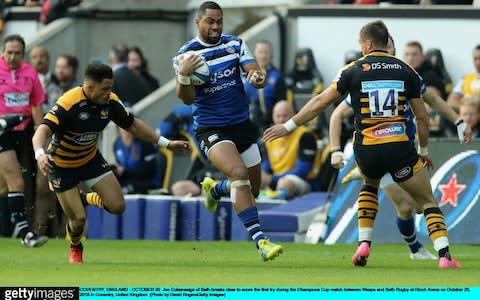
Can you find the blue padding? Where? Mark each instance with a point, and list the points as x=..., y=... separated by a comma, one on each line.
x=238, y=231
x=188, y=219
x=161, y=218
x=111, y=226
x=94, y=221
x=295, y=216
x=215, y=226
x=133, y=221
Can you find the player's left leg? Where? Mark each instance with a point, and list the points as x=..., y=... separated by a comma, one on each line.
x=75, y=212
x=418, y=186
x=405, y=208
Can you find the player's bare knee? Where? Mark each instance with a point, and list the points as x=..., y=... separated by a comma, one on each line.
x=77, y=224
x=116, y=208
x=238, y=173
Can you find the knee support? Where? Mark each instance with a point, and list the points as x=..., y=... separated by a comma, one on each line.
x=234, y=185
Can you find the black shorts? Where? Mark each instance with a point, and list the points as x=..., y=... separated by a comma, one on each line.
x=399, y=159
x=243, y=135
x=21, y=143
x=62, y=179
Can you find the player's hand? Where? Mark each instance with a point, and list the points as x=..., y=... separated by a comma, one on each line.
x=188, y=64
x=427, y=161
x=180, y=146
x=44, y=163
x=337, y=159
x=274, y=132
x=256, y=78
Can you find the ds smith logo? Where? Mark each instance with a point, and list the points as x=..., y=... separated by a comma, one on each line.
x=366, y=67
x=380, y=66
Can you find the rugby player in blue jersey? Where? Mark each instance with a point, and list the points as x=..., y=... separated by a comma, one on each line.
x=221, y=118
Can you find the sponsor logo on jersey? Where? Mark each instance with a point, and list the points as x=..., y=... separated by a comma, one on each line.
x=223, y=74
x=83, y=116
x=392, y=129
x=86, y=138
x=366, y=67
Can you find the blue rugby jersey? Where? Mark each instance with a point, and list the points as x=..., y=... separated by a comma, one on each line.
x=222, y=101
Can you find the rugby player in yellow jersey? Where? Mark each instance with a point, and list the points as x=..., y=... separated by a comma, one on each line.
x=76, y=121
x=381, y=86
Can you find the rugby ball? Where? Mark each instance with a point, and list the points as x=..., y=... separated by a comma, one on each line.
x=201, y=75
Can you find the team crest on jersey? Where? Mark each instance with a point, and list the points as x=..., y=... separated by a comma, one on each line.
x=83, y=116
x=230, y=50
x=104, y=114
x=366, y=67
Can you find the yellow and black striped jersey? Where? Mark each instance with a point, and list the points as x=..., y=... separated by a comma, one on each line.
x=76, y=123
x=380, y=86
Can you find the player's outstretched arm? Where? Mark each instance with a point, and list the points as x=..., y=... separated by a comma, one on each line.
x=311, y=109
x=142, y=131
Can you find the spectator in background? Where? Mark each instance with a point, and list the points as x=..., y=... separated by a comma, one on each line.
x=469, y=85
x=65, y=77
x=21, y=93
x=135, y=163
x=40, y=60
x=127, y=84
x=414, y=56
x=138, y=63
x=292, y=163
x=262, y=100
x=470, y=113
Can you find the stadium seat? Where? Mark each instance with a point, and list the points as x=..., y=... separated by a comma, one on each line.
x=303, y=82
x=436, y=59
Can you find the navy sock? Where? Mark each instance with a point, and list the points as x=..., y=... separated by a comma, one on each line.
x=251, y=222
x=220, y=189
x=407, y=230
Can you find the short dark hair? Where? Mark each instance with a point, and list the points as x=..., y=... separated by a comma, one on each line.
x=14, y=37
x=202, y=10
x=377, y=32
x=415, y=44
x=72, y=61
x=120, y=52
x=98, y=72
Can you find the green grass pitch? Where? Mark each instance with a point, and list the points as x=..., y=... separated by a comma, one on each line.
x=159, y=263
